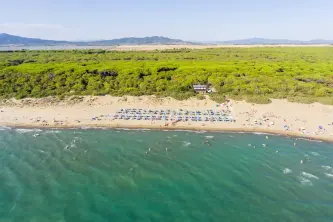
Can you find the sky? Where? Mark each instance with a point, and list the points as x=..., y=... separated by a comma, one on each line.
x=199, y=20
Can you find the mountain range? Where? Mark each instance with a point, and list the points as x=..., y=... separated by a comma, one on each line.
x=265, y=41
x=12, y=40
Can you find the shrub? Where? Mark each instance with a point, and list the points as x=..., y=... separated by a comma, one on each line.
x=200, y=97
x=217, y=98
x=258, y=99
x=301, y=99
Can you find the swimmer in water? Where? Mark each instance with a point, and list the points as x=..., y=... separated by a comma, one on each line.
x=308, y=158
x=254, y=147
x=294, y=144
x=277, y=151
x=301, y=161
x=207, y=142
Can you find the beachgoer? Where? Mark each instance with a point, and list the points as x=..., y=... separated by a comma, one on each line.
x=207, y=142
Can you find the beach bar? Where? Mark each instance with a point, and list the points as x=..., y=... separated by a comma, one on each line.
x=200, y=88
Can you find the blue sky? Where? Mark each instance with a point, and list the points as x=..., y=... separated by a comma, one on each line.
x=183, y=19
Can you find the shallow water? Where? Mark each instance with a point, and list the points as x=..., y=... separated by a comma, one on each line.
x=116, y=175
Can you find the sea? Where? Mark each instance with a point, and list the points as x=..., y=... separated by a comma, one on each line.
x=104, y=175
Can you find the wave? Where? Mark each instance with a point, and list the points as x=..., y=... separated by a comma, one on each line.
x=124, y=129
x=201, y=131
x=309, y=175
x=329, y=175
x=315, y=154
x=209, y=137
x=186, y=143
x=260, y=133
x=52, y=131
x=310, y=140
x=305, y=181
x=326, y=167
x=131, y=129
x=5, y=128
x=287, y=171
x=71, y=145
x=28, y=130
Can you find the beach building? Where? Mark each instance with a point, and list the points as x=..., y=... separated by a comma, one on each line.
x=200, y=88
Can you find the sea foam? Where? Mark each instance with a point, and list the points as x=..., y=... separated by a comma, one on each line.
x=315, y=154
x=309, y=175
x=326, y=167
x=28, y=130
x=305, y=181
x=209, y=137
x=287, y=171
x=329, y=175
x=5, y=128
x=186, y=143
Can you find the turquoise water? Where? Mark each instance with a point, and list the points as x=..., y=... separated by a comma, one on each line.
x=108, y=175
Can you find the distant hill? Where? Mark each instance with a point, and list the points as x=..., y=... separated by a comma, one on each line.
x=12, y=40
x=140, y=41
x=6, y=39
x=263, y=41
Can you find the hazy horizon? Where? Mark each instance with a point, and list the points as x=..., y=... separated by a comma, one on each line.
x=186, y=40
x=194, y=20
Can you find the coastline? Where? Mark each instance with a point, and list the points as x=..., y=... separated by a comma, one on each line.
x=160, y=47
x=174, y=128
x=39, y=114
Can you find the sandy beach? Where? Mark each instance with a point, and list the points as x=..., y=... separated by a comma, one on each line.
x=280, y=117
x=153, y=47
x=204, y=46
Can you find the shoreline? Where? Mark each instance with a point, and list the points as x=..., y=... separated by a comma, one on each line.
x=176, y=128
x=309, y=121
x=146, y=47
